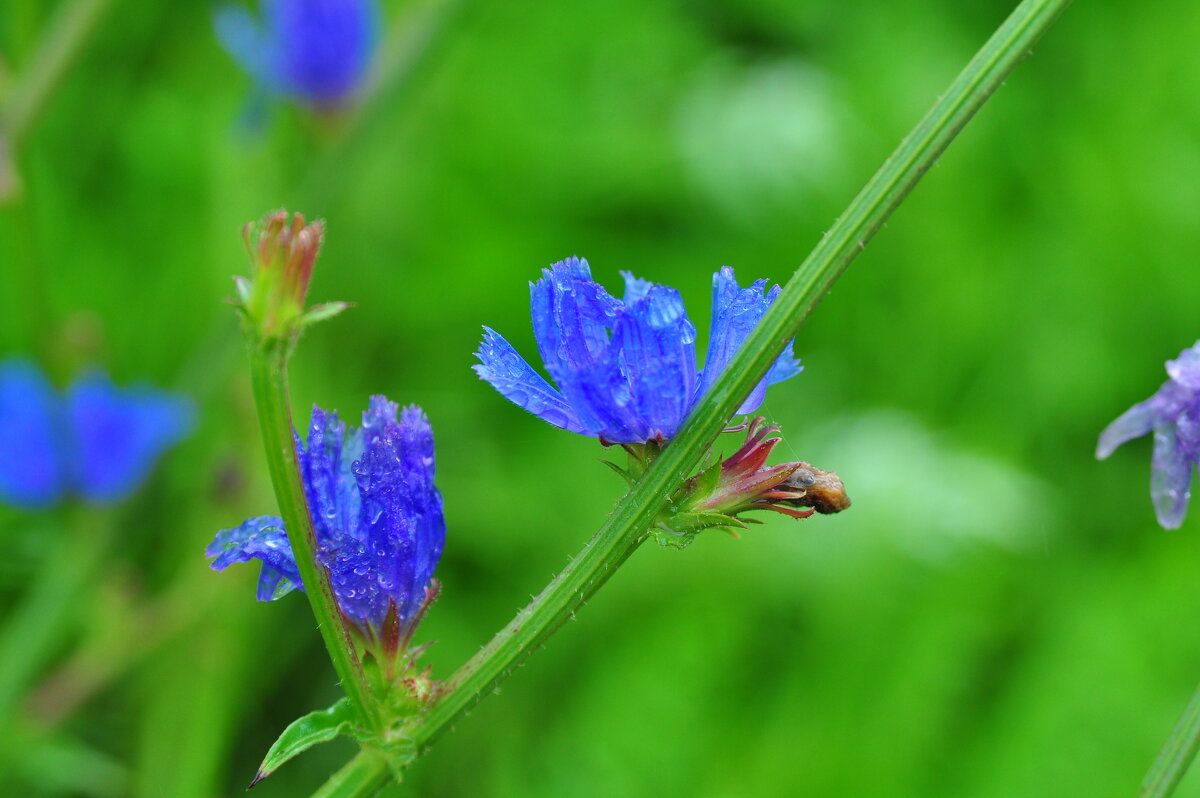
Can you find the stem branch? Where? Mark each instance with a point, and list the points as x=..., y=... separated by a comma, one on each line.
x=361, y=776
x=59, y=46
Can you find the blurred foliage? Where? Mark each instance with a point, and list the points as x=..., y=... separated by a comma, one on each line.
x=997, y=615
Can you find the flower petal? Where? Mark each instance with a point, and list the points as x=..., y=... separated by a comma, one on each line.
x=511, y=375
x=572, y=315
x=736, y=311
x=403, y=511
x=656, y=345
x=1170, y=478
x=117, y=435
x=329, y=484
x=31, y=467
x=241, y=35
x=1185, y=369
x=322, y=47
x=262, y=539
x=1133, y=423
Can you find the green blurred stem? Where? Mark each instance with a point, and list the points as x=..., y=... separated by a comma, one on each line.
x=41, y=623
x=62, y=41
x=268, y=367
x=636, y=512
x=408, y=42
x=1176, y=755
x=361, y=776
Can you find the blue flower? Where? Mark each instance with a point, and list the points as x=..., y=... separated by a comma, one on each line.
x=375, y=509
x=97, y=441
x=625, y=368
x=314, y=51
x=1173, y=413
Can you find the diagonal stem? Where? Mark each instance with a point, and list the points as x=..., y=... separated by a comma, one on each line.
x=626, y=527
x=1176, y=755
x=29, y=93
x=638, y=510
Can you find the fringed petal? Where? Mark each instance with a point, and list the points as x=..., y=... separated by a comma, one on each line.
x=657, y=352
x=262, y=538
x=510, y=374
x=736, y=311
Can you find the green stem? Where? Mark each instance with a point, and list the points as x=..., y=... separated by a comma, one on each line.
x=268, y=366
x=40, y=624
x=361, y=776
x=59, y=46
x=637, y=511
x=1176, y=755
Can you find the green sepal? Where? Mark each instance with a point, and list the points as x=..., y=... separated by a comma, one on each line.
x=322, y=312
x=681, y=528
x=625, y=475
x=305, y=732
x=707, y=480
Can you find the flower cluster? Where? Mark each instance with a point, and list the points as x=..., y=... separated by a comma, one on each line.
x=377, y=516
x=625, y=369
x=313, y=51
x=96, y=440
x=1173, y=414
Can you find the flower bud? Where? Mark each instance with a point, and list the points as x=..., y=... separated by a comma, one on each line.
x=717, y=496
x=283, y=251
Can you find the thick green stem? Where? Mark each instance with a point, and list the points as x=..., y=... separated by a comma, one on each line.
x=637, y=511
x=1176, y=755
x=361, y=776
x=268, y=366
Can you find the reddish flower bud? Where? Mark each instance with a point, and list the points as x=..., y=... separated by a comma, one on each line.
x=283, y=250
x=742, y=482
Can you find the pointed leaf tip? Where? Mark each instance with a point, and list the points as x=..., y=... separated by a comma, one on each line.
x=305, y=732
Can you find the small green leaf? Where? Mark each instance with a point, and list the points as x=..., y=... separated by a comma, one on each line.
x=305, y=732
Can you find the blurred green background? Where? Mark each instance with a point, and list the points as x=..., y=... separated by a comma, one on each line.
x=997, y=615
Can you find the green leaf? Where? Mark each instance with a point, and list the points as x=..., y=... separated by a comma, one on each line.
x=305, y=732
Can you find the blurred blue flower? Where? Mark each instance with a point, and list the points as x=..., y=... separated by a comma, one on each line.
x=314, y=51
x=625, y=368
x=375, y=509
x=1173, y=413
x=97, y=441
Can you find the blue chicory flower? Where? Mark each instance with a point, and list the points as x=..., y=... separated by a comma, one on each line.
x=1173, y=413
x=625, y=368
x=97, y=441
x=375, y=509
x=314, y=51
